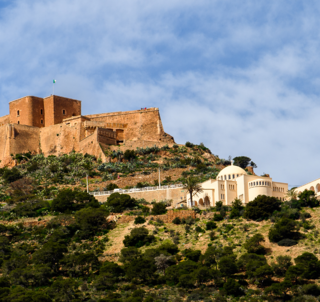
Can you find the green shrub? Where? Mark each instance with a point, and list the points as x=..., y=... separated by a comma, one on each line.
x=233, y=288
x=11, y=175
x=287, y=242
x=177, y=220
x=158, y=209
x=217, y=217
x=253, y=245
x=138, y=237
x=110, y=187
x=199, y=230
x=210, y=225
x=285, y=228
x=261, y=207
x=121, y=202
x=139, y=220
x=69, y=200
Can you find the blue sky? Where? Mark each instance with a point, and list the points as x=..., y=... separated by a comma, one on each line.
x=240, y=76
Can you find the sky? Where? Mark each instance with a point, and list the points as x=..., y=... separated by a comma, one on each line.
x=242, y=77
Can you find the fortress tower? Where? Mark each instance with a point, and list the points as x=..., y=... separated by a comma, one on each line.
x=54, y=125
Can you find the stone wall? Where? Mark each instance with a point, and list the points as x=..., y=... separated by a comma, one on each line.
x=26, y=139
x=176, y=194
x=4, y=120
x=143, y=124
x=167, y=218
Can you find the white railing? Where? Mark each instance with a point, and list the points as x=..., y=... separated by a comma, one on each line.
x=135, y=190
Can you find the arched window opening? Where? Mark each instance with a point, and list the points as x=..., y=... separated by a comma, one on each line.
x=18, y=122
x=18, y=113
x=41, y=111
x=64, y=112
x=41, y=121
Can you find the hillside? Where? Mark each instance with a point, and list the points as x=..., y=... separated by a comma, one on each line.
x=58, y=243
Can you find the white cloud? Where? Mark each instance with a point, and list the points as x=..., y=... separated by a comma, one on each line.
x=241, y=78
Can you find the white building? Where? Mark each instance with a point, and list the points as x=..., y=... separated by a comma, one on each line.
x=233, y=182
x=312, y=186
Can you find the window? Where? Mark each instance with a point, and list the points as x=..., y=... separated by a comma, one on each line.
x=259, y=183
x=18, y=122
x=229, y=176
x=41, y=121
x=18, y=113
x=41, y=111
x=232, y=175
x=63, y=112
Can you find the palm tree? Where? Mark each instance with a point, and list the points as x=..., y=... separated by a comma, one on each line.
x=192, y=185
x=292, y=194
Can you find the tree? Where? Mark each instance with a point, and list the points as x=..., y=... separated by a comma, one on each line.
x=193, y=255
x=284, y=228
x=129, y=155
x=307, y=199
x=91, y=221
x=192, y=185
x=292, y=194
x=162, y=262
x=252, y=245
x=159, y=208
x=203, y=274
x=140, y=269
x=261, y=207
x=50, y=254
x=241, y=161
x=139, y=220
x=69, y=200
x=211, y=225
x=283, y=263
x=11, y=175
x=236, y=208
x=232, y=287
x=310, y=264
x=138, y=237
x=228, y=266
x=120, y=202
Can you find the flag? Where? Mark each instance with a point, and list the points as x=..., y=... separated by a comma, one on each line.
x=54, y=81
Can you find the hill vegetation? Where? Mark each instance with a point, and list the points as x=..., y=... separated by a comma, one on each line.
x=58, y=243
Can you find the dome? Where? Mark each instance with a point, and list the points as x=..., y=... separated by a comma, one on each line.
x=230, y=172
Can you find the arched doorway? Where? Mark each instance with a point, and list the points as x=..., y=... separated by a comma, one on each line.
x=318, y=188
x=207, y=201
x=195, y=204
x=312, y=188
x=201, y=202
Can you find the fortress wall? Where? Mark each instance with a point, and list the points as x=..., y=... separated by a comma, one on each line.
x=142, y=124
x=25, y=139
x=4, y=150
x=37, y=117
x=58, y=139
x=49, y=109
x=29, y=111
x=4, y=120
x=54, y=106
x=92, y=146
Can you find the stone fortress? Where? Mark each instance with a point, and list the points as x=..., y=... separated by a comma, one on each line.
x=54, y=125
